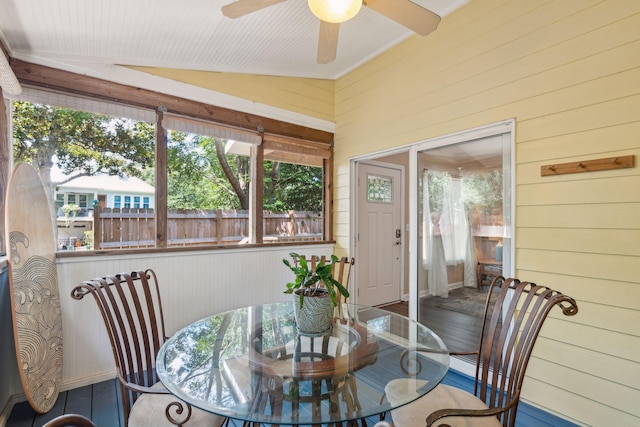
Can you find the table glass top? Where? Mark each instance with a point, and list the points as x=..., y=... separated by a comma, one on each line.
x=251, y=364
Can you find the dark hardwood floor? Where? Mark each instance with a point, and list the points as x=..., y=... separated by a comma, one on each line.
x=459, y=331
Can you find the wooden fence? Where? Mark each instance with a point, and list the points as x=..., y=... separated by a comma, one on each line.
x=135, y=228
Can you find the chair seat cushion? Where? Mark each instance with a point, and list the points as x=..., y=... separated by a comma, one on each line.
x=402, y=389
x=443, y=396
x=149, y=411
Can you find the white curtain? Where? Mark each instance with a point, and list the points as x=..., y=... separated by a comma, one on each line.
x=447, y=237
x=470, y=261
x=433, y=256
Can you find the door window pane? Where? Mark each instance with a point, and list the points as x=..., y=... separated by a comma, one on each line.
x=379, y=189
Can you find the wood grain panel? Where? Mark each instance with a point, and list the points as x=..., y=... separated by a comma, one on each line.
x=598, y=389
x=590, y=362
x=607, y=216
x=623, y=189
x=588, y=142
x=544, y=175
x=603, y=241
x=612, y=267
x=600, y=340
x=583, y=411
x=580, y=119
x=313, y=97
x=45, y=77
x=599, y=291
x=567, y=72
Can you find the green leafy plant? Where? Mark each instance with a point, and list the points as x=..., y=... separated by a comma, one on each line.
x=70, y=211
x=311, y=280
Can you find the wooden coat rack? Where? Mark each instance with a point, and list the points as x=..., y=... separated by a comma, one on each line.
x=620, y=162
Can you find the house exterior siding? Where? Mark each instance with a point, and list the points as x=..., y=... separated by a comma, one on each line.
x=568, y=72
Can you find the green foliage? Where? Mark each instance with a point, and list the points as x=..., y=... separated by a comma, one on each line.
x=309, y=280
x=480, y=190
x=484, y=190
x=196, y=178
x=200, y=174
x=80, y=141
x=289, y=186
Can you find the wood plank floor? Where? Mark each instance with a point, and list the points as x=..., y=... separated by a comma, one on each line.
x=101, y=402
x=459, y=331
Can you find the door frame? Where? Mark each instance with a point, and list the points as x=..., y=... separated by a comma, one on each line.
x=495, y=128
x=353, y=208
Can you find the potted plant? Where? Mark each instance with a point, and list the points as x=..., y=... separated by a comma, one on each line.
x=315, y=292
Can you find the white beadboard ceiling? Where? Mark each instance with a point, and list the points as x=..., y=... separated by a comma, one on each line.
x=280, y=40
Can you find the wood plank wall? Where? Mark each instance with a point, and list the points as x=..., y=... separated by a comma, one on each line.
x=193, y=285
x=568, y=72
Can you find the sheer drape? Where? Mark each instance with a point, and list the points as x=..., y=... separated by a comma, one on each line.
x=447, y=237
x=433, y=256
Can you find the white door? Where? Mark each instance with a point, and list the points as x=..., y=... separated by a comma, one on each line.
x=379, y=235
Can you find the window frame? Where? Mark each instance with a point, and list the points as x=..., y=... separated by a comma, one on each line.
x=67, y=83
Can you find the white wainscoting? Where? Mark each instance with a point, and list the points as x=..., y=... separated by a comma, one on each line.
x=193, y=285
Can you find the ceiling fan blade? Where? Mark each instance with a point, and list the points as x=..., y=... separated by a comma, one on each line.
x=407, y=13
x=243, y=7
x=327, y=42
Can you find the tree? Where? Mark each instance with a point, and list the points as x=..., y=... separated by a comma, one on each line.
x=203, y=176
x=80, y=143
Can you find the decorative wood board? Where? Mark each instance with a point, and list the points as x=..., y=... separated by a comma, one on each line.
x=35, y=298
x=609, y=163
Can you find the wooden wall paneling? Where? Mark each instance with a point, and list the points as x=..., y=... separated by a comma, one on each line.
x=610, y=216
x=598, y=414
x=622, y=268
x=50, y=78
x=597, y=165
x=327, y=179
x=161, y=183
x=605, y=190
x=591, y=240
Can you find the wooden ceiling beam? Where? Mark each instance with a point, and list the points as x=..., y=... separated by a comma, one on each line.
x=44, y=77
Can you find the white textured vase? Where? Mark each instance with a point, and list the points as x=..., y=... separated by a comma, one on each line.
x=316, y=314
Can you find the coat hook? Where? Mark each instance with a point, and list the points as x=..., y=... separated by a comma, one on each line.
x=581, y=165
x=552, y=168
x=615, y=161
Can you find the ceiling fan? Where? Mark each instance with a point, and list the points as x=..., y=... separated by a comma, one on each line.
x=404, y=12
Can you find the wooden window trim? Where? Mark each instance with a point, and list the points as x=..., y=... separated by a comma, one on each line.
x=295, y=140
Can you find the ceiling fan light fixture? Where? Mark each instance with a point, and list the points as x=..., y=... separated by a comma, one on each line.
x=335, y=11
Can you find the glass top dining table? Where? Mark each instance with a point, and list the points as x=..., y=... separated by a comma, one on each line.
x=251, y=364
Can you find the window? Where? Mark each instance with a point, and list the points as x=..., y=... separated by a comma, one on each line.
x=379, y=189
x=294, y=195
x=208, y=200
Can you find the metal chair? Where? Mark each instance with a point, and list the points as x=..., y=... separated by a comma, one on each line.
x=509, y=331
x=132, y=312
x=70, y=420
